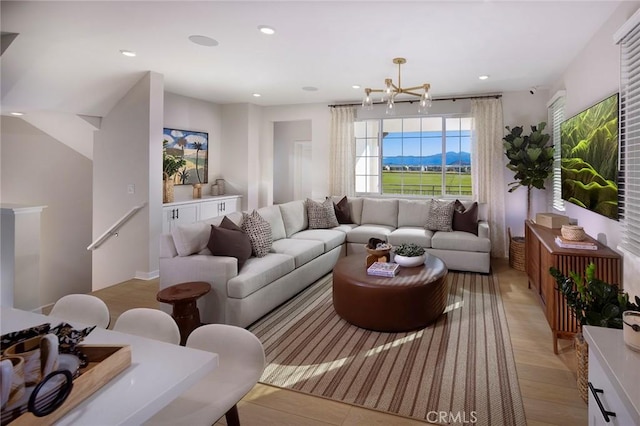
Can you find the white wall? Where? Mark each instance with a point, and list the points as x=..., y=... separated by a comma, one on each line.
x=286, y=134
x=320, y=118
x=593, y=75
x=181, y=112
x=128, y=151
x=36, y=169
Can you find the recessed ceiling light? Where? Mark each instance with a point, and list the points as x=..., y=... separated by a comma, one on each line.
x=203, y=40
x=356, y=86
x=256, y=95
x=310, y=89
x=483, y=77
x=17, y=114
x=128, y=53
x=264, y=29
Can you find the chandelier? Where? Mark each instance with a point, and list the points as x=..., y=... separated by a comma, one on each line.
x=391, y=90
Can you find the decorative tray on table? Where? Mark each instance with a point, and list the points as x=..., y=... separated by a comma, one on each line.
x=104, y=362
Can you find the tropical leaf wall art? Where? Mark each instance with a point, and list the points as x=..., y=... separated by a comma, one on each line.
x=194, y=148
x=590, y=158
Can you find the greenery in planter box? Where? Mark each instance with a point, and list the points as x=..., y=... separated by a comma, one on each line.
x=593, y=301
x=409, y=250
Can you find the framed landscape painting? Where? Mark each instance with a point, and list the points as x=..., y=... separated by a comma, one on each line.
x=194, y=148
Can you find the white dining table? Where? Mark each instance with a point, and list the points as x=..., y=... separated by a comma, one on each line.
x=159, y=373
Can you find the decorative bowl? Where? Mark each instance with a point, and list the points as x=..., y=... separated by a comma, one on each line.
x=379, y=252
x=409, y=262
x=572, y=232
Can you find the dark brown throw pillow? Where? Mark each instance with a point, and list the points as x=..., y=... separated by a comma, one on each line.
x=229, y=240
x=465, y=219
x=343, y=211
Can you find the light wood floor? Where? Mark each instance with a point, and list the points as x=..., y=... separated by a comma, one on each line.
x=547, y=381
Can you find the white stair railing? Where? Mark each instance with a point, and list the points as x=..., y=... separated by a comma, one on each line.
x=113, y=230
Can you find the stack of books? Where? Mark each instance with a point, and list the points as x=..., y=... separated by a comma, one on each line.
x=383, y=269
x=581, y=245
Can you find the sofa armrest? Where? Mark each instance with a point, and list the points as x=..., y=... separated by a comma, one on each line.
x=483, y=229
x=215, y=270
x=167, y=247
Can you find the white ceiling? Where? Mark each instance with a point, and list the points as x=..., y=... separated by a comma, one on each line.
x=66, y=57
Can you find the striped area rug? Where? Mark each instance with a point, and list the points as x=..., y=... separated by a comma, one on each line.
x=459, y=370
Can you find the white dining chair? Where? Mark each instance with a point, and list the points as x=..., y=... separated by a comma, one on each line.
x=151, y=323
x=83, y=308
x=240, y=364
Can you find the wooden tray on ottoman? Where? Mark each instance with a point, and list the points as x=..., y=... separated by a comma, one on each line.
x=105, y=362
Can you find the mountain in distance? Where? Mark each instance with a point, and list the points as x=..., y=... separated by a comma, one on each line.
x=451, y=158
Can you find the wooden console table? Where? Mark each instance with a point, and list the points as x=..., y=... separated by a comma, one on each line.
x=541, y=253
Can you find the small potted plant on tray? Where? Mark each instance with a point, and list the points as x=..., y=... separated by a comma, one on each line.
x=409, y=254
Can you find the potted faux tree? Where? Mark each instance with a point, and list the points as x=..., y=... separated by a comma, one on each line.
x=593, y=302
x=530, y=157
x=171, y=164
x=409, y=254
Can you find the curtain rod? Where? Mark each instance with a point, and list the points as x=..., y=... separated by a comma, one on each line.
x=434, y=100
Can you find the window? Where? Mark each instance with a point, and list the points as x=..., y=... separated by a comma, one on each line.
x=424, y=156
x=556, y=116
x=630, y=140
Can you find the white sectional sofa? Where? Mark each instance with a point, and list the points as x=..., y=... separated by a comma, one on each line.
x=299, y=256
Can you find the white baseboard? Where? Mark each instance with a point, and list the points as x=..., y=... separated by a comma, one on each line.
x=147, y=275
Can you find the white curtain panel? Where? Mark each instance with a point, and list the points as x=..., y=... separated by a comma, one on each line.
x=342, y=151
x=488, y=167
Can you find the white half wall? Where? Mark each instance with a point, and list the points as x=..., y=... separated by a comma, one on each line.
x=128, y=151
x=36, y=169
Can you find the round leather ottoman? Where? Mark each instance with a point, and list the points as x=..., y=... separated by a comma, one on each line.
x=413, y=299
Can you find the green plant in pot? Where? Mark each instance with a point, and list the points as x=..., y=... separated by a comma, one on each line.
x=530, y=157
x=593, y=302
x=409, y=254
x=171, y=165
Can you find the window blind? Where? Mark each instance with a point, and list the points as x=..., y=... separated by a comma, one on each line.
x=629, y=182
x=556, y=116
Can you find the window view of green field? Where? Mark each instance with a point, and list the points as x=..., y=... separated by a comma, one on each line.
x=429, y=156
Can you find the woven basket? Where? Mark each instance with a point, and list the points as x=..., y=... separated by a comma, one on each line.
x=572, y=232
x=516, y=252
x=582, y=360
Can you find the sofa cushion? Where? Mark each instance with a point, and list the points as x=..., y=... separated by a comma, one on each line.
x=272, y=215
x=440, y=216
x=380, y=212
x=259, y=272
x=229, y=240
x=294, y=217
x=321, y=215
x=411, y=234
x=412, y=212
x=362, y=233
x=465, y=219
x=343, y=210
x=259, y=232
x=462, y=241
x=331, y=238
x=190, y=238
x=302, y=251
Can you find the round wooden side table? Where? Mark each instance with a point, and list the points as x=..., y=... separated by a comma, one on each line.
x=183, y=297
